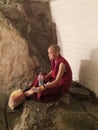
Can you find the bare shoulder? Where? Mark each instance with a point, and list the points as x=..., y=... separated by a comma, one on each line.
x=62, y=66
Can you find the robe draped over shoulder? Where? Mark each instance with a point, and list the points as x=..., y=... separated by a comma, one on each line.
x=63, y=85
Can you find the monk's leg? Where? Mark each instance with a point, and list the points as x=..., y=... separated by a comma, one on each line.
x=51, y=91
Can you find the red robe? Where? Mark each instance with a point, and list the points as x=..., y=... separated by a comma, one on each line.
x=63, y=85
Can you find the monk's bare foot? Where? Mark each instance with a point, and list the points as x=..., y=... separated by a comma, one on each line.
x=29, y=93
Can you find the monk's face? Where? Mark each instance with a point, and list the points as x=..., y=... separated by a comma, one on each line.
x=52, y=53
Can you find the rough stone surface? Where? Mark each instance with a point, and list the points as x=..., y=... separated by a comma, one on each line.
x=13, y=1
x=79, y=91
x=68, y=113
x=26, y=31
x=3, y=105
x=59, y=115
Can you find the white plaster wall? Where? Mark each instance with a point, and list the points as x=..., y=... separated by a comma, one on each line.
x=77, y=26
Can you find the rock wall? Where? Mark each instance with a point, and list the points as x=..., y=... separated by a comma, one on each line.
x=26, y=31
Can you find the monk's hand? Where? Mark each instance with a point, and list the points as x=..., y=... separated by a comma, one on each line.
x=47, y=85
x=41, y=89
x=35, y=89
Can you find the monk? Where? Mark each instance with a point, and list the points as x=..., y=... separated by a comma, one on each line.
x=57, y=81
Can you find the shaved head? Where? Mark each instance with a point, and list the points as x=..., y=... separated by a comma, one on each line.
x=55, y=48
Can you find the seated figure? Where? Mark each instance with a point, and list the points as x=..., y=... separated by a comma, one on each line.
x=56, y=82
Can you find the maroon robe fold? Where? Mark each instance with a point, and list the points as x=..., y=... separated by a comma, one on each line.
x=56, y=91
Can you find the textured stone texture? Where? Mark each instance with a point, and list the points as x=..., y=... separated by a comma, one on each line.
x=13, y=1
x=26, y=31
x=3, y=105
x=58, y=115
x=68, y=113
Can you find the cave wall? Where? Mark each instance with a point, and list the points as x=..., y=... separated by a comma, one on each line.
x=26, y=31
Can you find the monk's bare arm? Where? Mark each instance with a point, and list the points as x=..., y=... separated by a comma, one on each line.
x=60, y=73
